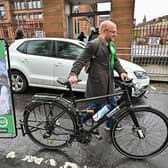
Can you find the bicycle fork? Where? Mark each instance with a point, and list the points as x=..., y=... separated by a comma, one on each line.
x=138, y=129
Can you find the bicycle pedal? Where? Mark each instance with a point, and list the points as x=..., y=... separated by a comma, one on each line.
x=99, y=137
x=46, y=135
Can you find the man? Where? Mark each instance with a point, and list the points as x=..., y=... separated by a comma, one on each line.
x=19, y=34
x=81, y=36
x=101, y=76
x=93, y=35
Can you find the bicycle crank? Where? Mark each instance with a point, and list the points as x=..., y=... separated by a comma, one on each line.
x=83, y=137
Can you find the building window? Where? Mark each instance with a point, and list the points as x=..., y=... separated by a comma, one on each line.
x=38, y=4
x=21, y=17
x=18, y=6
x=24, y=16
x=16, y=17
x=22, y=4
x=35, y=15
x=30, y=5
x=40, y=15
x=2, y=12
x=31, y=16
x=34, y=4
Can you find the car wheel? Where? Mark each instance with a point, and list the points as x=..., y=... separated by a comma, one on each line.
x=19, y=82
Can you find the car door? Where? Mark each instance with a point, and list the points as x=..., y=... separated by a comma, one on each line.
x=39, y=63
x=66, y=53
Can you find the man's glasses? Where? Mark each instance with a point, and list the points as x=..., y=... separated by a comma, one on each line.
x=113, y=32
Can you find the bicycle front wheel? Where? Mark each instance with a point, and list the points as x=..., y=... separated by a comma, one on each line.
x=49, y=124
x=146, y=141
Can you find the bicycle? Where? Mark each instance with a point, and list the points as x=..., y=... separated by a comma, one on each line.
x=54, y=122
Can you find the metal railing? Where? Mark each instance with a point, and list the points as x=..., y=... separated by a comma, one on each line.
x=7, y=30
x=150, y=49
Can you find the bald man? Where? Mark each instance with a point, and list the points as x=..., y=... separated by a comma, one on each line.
x=101, y=73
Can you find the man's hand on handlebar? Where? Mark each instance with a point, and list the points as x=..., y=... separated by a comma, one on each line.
x=123, y=76
x=73, y=79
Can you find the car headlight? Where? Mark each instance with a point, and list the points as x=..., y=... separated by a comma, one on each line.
x=141, y=74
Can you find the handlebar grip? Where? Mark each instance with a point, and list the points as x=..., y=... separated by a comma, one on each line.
x=64, y=81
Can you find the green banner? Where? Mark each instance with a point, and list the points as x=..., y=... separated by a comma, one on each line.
x=7, y=113
x=2, y=50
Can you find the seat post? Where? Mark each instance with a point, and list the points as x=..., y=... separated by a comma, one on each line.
x=71, y=94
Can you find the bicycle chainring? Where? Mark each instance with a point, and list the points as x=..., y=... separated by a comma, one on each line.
x=84, y=137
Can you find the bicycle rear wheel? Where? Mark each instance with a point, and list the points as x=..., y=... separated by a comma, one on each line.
x=151, y=139
x=49, y=124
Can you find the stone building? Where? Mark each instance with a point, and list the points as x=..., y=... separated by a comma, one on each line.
x=153, y=32
x=65, y=18
x=24, y=14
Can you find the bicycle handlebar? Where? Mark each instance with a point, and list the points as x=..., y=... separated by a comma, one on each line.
x=125, y=83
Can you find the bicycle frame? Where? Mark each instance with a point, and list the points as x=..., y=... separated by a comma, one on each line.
x=73, y=105
x=128, y=103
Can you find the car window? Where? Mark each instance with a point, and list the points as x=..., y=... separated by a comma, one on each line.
x=40, y=47
x=23, y=47
x=68, y=50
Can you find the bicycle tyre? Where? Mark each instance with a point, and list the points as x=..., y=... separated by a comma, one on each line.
x=155, y=128
x=37, y=119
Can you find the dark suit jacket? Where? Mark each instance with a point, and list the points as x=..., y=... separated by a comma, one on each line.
x=100, y=77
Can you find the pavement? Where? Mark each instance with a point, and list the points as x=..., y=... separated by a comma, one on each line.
x=97, y=154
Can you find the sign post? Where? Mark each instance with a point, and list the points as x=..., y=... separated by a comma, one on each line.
x=7, y=112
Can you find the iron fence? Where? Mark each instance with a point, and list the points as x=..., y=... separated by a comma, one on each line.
x=150, y=49
x=7, y=30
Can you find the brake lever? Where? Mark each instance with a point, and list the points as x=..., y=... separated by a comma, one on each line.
x=79, y=80
x=128, y=80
